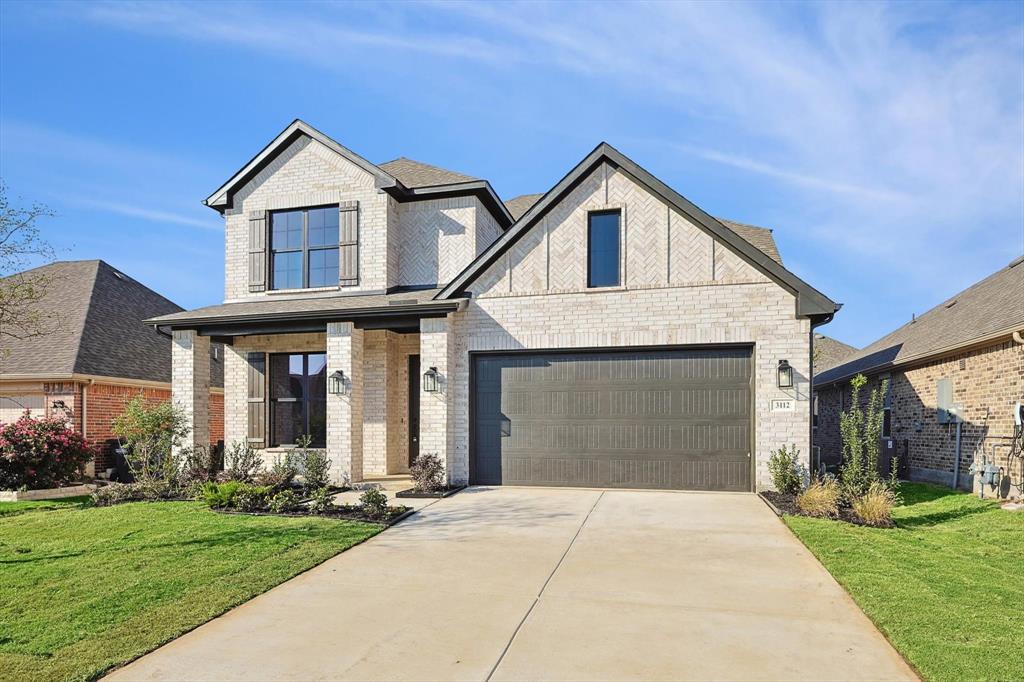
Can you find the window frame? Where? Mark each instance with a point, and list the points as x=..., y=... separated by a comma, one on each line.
x=618, y=247
x=305, y=249
x=272, y=439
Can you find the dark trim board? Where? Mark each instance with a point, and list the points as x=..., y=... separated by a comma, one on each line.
x=809, y=301
x=671, y=465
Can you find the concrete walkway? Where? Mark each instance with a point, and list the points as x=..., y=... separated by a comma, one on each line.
x=528, y=584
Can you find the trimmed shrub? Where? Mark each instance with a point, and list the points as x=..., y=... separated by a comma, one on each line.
x=374, y=503
x=321, y=502
x=786, y=471
x=875, y=506
x=820, y=499
x=279, y=476
x=40, y=453
x=116, y=493
x=284, y=501
x=198, y=465
x=314, y=464
x=241, y=463
x=250, y=498
x=427, y=473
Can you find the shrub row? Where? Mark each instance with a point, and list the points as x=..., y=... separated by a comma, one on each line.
x=38, y=453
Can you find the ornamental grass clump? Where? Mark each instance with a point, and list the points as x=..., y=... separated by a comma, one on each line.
x=875, y=506
x=820, y=499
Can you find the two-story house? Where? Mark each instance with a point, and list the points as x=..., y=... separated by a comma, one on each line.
x=605, y=333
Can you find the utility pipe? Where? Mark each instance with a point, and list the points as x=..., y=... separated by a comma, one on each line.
x=956, y=460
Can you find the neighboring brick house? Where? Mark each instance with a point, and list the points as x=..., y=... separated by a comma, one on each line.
x=962, y=356
x=96, y=354
x=605, y=333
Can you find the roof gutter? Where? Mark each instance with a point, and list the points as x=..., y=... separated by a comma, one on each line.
x=1010, y=332
x=479, y=188
x=446, y=306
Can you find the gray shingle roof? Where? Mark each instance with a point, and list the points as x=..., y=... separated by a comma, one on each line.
x=829, y=352
x=416, y=174
x=286, y=305
x=993, y=306
x=519, y=205
x=96, y=327
x=760, y=237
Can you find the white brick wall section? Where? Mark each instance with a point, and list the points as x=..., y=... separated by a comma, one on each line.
x=190, y=384
x=375, y=403
x=758, y=314
x=345, y=412
x=437, y=427
x=236, y=376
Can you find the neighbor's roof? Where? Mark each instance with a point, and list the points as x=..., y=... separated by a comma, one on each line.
x=829, y=352
x=809, y=301
x=94, y=318
x=992, y=308
x=288, y=307
x=417, y=174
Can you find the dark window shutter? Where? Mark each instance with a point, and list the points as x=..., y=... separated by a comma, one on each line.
x=348, y=243
x=257, y=405
x=258, y=251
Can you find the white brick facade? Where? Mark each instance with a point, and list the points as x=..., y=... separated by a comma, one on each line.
x=190, y=384
x=680, y=286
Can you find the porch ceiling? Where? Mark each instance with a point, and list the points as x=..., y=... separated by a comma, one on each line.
x=399, y=311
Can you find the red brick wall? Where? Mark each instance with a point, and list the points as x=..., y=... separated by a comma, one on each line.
x=216, y=417
x=986, y=381
x=105, y=402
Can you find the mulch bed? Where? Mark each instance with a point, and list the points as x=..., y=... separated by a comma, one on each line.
x=445, y=492
x=342, y=513
x=786, y=504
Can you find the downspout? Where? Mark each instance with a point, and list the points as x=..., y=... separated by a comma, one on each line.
x=815, y=323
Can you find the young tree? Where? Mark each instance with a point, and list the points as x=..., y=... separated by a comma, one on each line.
x=21, y=244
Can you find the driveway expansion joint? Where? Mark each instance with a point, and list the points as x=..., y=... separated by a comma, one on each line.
x=543, y=587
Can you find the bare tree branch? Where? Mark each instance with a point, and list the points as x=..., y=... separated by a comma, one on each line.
x=21, y=244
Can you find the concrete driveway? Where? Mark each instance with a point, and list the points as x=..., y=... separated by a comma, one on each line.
x=527, y=584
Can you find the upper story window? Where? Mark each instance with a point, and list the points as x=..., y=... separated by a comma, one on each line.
x=304, y=248
x=603, y=248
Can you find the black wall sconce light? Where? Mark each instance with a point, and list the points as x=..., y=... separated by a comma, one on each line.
x=785, y=371
x=336, y=384
x=431, y=381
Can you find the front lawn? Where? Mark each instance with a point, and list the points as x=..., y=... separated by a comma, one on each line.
x=83, y=589
x=945, y=586
x=9, y=508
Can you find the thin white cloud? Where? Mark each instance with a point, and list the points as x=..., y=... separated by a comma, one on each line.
x=801, y=179
x=150, y=215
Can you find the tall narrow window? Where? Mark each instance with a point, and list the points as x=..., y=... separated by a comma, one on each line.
x=603, y=249
x=304, y=248
x=298, y=395
x=815, y=410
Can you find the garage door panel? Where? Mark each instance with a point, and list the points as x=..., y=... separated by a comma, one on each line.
x=642, y=419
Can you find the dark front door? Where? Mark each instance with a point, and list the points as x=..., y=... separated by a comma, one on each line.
x=673, y=418
x=414, y=408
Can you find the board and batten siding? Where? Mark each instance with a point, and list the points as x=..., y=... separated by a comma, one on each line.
x=686, y=290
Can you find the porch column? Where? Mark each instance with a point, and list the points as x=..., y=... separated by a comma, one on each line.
x=345, y=412
x=437, y=410
x=190, y=384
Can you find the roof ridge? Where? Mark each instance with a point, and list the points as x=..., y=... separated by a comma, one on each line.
x=85, y=317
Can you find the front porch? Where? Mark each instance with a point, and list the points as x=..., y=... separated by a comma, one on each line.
x=355, y=387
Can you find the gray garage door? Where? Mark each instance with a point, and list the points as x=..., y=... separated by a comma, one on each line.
x=676, y=419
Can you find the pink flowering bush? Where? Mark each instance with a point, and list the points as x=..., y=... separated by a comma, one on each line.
x=40, y=453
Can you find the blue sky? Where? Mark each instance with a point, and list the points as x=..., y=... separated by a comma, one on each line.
x=884, y=143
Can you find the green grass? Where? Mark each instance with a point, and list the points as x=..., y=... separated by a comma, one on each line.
x=946, y=587
x=83, y=589
x=11, y=508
